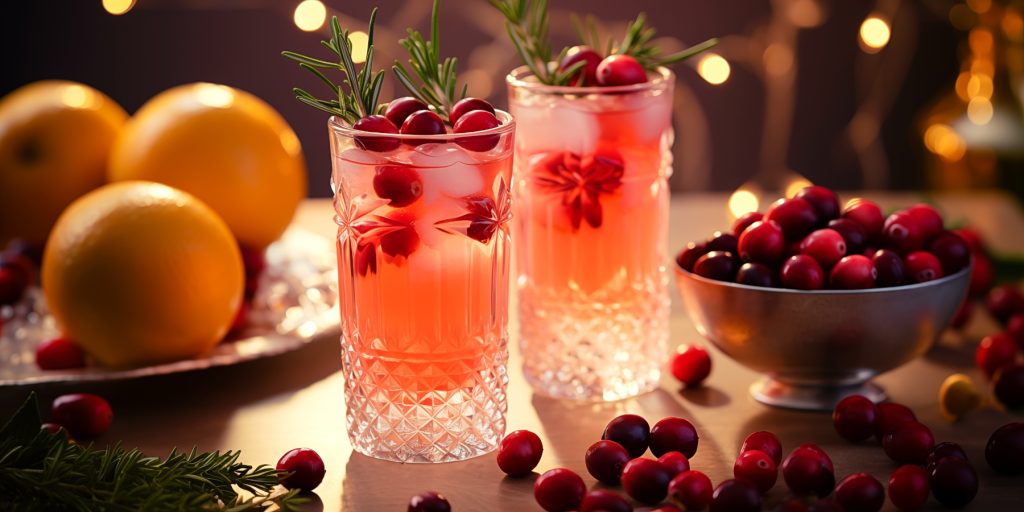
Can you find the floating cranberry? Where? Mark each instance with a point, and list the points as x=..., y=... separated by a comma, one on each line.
x=824, y=201
x=801, y=272
x=826, y=246
x=744, y=221
x=718, y=265
x=467, y=105
x=758, y=468
x=735, y=496
x=519, y=453
x=402, y=241
x=807, y=470
x=1005, y=301
x=1008, y=386
x=477, y=121
x=795, y=216
x=927, y=218
x=951, y=251
x=399, y=184
x=866, y=213
x=1014, y=327
x=691, y=365
x=1004, y=451
x=692, y=489
x=909, y=488
x=853, y=272
x=376, y=124
x=605, y=460
x=688, y=257
x=762, y=242
x=943, y=450
x=423, y=122
x=675, y=462
x=586, y=75
x=860, y=492
x=909, y=443
x=84, y=416
x=600, y=500
x=888, y=268
x=559, y=490
x=854, y=418
x=954, y=482
x=620, y=69
x=401, y=108
x=429, y=501
x=59, y=354
x=674, y=435
x=891, y=415
x=765, y=442
x=631, y=431
x=994, y=352
x=756, y=274
x=922, y=266
x=852, y=233
x=645, y=480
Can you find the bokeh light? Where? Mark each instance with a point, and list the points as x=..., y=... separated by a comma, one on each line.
x=943, y=141
x=360, y=41
x=874, y=34
x=742, y=201
x=118, y=7
x=979, y=110
x=797, y=184
x=713, y=68
x=310, y=15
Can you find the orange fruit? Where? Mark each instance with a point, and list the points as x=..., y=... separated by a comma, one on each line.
x=224, y=146
x=55, y=138
x=141, y=273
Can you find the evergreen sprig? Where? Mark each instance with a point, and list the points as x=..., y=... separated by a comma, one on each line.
x=437, y=79
x=637, y=44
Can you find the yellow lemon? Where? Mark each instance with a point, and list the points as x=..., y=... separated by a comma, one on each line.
x=141, y=273
x=55, y=138
x=224, y=146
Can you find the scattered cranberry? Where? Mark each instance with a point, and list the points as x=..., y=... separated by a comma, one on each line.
x=922, y=266
x=1014, y=327
x=854, y=418
x=674, y=435
x=519, y=453
x=994, y=352
x=675, y=463
x=909, y=443
x=735, y=496
x=758, y=468
x=605, y=460
x=84, y=416
x=764, y=442
x=866, y=213
x=1008, y=386
x=982, y=274
x=901, y=233
x=600, y=500
x=429, y=501
x=59, y=354
x=927, y=218
x=691, y=365
x=807, y=470
x=1004, y=451
x=423, y=122
x=951, y=251
x=1004, y=301
x=852, y=233
x=620, y=69
x=762, y=242
x=477, y=121
x=888, y=268
x=826, y=246
x=744, y=222
x=690, y=254
x=645, y=480
x=401, y=108
x=802, y=272
x=824, y=201
x=943, y=450
x=891, y=415
x=954, y=482
x=559, y=490
x=860, y=492
x=963, y=315
x=398, y=184
x=692, y=489
x=376, y=124
x=909, y=488
x=306, y=468
x=795, y=216
x=467, y=105
x=631, y=431
x=756, y=274
x=586, y=75
x=853, y=272
x=718, y=265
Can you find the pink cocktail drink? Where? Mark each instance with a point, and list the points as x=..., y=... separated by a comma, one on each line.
x=591, y=220
x=423, y=262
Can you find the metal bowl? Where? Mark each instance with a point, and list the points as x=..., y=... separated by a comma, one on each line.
x=816, y=347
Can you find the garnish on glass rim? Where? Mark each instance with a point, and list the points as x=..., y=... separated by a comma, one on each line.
x=438, y=79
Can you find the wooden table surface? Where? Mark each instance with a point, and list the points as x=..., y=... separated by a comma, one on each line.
x=267, y=407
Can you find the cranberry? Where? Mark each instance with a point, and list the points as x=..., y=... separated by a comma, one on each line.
x=645, y=480
x=587, y=74
x=891, y=415
x=1005, y=301
x=854, y=272
x=860, y=492
x=52, y=428
x=477, y=121
x=688, y=257
x=765, y=442
x=666, y=508
x=982, y=274
x=1014, y=327
x=826, y=246
x=423, y=122
x=620, y=69
x=403, y=240
x=852, y=233
x=954, y=482
x=909, y=488
x=1004, y=451
x=398, y=184
x=467, y=105
x=691, y=365
x=744, y=222
x=801, y=272
x=429, y=501
x=674, y=435
x=909, y=443
x=1008, y=386
x=675, y=462
x=720, y=241
x=718, y=265
x=854, y=418
x=83, y=415
x=59, y=354
x=943, y=450
x=824, y=201
x=600, y=500
x=692, y=489
x=306, y=470
x=401, y=108
x=758, y=468
x=519, y=453
x=631, y=431
x=901, y=233
x=963, y=315
x=605, y=460
x=11, y=285
x=866, y=213
x=735, y=496
x=762, y=242
x=807, y=470
x=888, y=268
x=928, y=220
x=951, y=251
x=994, y=352
x=559, y=490
x=795, y=216
x=376, y=124
x=756, y=274
x=922, y=266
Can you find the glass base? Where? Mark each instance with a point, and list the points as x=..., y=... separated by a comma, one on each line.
x=811, y=397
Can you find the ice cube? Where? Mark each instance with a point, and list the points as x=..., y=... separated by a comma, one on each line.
x=361, y=156
x=556, y=126
x=447, y=169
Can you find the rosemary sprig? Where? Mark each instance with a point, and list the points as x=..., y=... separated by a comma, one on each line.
x=357, y=95
x=40, y=470
x=637, y=44
x=437, y=79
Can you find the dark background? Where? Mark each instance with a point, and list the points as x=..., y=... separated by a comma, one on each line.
x=720, y=129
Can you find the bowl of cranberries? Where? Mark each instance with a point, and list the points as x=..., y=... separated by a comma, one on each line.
x=822, y=297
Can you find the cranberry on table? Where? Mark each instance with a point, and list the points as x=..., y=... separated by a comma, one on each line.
x=855, y=272
x=854, y=418
x=59, y=354
x=735, y=496
x=909, y=488
x=605, y=460
x=399, y=184
x=306, y=468
x=762, y=242
x=756, y=274
x=824, y=201
x=423, y=122
x=890, y=416
x=801, y=272
x=692, y=489
x=675, y=463
x=586, y=76
x=901, y=233
x=376, y=124
x=795, y=216
x=1004, y=301
x=765, y=442
x=429, y=501
x=808, y=471
x=954, y=482
x=1004, y=451
x=909, y=443
x=691, y=365
x=860, y=492
x=943, y=450
x=629, y=430
x=85, y=416
x=889, y=269
x=605, y=501
x=687, y=258
x=994, y=352
x=963, y=315
x=467, y=105
x=1008, y=386
x=826, y=246
x=1014, y=327
x=866, y=213
x=645, y=480
x=477, y=121
x=951, y=251
x=758, y=468
x=401, y=108
x=852, y=233
x=720, y=241
x=620, y=70
x=744, y=221
x=673, y=434
x=717, y=265
x=928, y=220
x=559, y=490
x=519, y=452
x=922, y=266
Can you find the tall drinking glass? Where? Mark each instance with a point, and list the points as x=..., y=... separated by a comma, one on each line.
x=423, y=263
x=591, y=226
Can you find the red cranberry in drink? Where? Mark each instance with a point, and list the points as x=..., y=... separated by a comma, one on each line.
x=922, y=266
x=909, y=443
x=586, y=76
x=860, y=492
x=645, y=480
x=720, y=241
x=735, y=496
x=795, y=216
x=687, y=258
x=399, y=184
x=891, y=415
x=801, y=272
x=909, y=488
x=1008, y=386
x=59, y=354
x=376, y=124
x=852, y=233
x=601, y=500
x=756, y=274
x=605, y=460
x=559, y=490
x=84, y=416
x=467, y=105
x=943, y=450
x=519, y=453
x=954, y=482
x=824, y=201
x=888, y=268
x=982, y=274
x=718, y=265
x=866, y=213
x=928, y=220
x=477, y=121
x=1005, y=301
x=765, y=442
x=826, y=246
x=901, y=233
x=674, y=435
x=631, y=431
x=762, y=242
x=423, y=122
x=691, y=365
x=675, y=463
x=951, y=251
x=402, y=241
x=1014, y=327
x=401, y=108
x=854, y=272
x=692, y=489
x=744, y=221
x=994, y=352
x=1004, y=451
x=854, y=418
x=620, y=69
x=758, y=468
x=306, y=469
x=807, y=470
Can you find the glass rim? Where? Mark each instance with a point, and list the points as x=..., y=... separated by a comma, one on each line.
x=516, y=78
x=508, y=125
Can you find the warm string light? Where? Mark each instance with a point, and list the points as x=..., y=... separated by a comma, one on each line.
x=874, y=34
x=118, y=7
x=713, y=68
x=743, y=201
x=310, y=15
x=943, y=141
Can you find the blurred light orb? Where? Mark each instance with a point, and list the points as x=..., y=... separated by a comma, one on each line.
x=874, y=34
x=713, y=68
x=943, y=141
x=979, y=6
x=310, y=15
x=360, y=42
x=118, y=7
x=742, y=201
x=797, y=184
x=979, y=85
x=805, y=13
x=778, y=59
x=979, y=110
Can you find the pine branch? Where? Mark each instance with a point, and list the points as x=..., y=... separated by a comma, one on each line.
x=435, y=81
x=637, y=44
